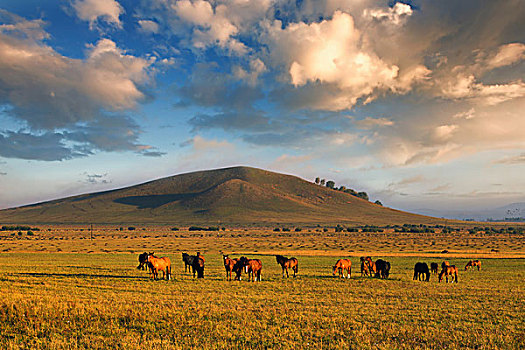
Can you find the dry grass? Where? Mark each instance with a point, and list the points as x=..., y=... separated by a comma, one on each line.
x=65, y=297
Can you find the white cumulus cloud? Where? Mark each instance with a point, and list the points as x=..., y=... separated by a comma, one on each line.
x=93, y=11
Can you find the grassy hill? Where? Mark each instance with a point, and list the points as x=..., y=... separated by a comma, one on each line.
x=238, y=195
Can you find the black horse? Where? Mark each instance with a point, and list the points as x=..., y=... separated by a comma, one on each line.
x=198, y=266
x=421, y=271
x=238, y=267
x=195, y=263
x=434, y=268
x=188, y=261
x=382, y=268
x=143, y=261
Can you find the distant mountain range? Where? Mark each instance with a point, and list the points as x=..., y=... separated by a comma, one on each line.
x=238, y=195
x=511, y=212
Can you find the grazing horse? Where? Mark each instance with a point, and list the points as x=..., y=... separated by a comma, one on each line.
x=287, y=264
x=370, y=265
x=434, y=268
x=421, y=271
x=450, y=270
x=229, y=265
x=364, y=266
x=342, y=265
x=188, y=261
x=382, y=268
x=472, y=264
x=143, y=261
x=253, y=268
x=163, y=264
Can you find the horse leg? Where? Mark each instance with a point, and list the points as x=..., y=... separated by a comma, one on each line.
x=287, y=275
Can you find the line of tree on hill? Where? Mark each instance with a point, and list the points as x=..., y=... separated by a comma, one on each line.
x=331, y=184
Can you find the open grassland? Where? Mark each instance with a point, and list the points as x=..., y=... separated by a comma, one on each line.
x=309, y=241
x=82, y=293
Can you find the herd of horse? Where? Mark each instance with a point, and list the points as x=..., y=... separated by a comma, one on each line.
x=379, y=268
x=422, y=272
x=253, y=267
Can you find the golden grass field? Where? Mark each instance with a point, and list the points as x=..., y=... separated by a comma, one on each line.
x=61, y=290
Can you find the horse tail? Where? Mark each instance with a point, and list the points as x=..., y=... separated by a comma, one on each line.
x=296, y=267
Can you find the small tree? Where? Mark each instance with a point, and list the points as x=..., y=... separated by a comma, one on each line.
x=330, y=184
x=322, y=182
x=378, y=202
x=363, y=195
x=342, y=188
x=317, y=180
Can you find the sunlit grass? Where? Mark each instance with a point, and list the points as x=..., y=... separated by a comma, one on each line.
x=59, y=300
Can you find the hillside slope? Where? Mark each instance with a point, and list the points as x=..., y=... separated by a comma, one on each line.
x=238, y=195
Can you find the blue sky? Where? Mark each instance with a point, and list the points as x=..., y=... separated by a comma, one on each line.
x=418, y=103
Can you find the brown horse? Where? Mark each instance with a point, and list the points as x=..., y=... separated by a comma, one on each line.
x=342, y=265
x=229, y=265
x=434, y=268
x=444, y=264
x=159, y=264
x=451, y=271
x=370, y=266
x=472, y=264
x=253, y=268
x=286, y=264
x=364, y=266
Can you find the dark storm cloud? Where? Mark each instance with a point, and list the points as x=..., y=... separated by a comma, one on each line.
x=24, y=145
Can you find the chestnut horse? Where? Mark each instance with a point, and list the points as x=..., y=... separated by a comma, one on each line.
x=472, y=264
x=163, y=264
x=229, y=265
x=341, y=265
x=253, y=268
x=451, y=271
x=434, y=268
x=286, y=264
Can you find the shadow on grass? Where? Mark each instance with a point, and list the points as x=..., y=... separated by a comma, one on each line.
x=78, y=275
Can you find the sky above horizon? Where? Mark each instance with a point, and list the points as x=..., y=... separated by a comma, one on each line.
x=419, y=103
